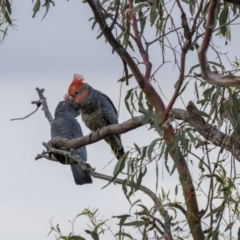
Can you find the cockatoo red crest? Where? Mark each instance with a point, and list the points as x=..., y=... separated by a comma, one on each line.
x=77, y=80
x=77, y=83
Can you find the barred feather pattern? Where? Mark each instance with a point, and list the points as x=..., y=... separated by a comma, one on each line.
x=98, y=111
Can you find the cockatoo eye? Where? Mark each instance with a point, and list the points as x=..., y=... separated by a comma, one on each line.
x=76, y=93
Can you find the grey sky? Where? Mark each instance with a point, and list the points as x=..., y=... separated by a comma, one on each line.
x=46, y=54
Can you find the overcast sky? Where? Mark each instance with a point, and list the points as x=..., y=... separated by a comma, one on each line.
x=46, y=54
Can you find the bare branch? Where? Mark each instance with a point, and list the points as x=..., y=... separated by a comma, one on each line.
x=206, y=73
x=93, y=137
x=142, y=51
x=44, y=105
x=179, y=81
x=38, y=103
x=186, y=31
x=43, y=155
x=194, y=26
x=42, y=101
x=125, y=70
x=116, y=15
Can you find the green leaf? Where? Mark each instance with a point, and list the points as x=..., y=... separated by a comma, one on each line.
x=147, y=117
x=157, y=171
x=118, y=167
x=193, y=67
x=135, y=223
x=123, y=79
x=8, y=5
x=47, y=5
x=4, y=33
x=177, y=157
x=58, y=228
x=142, y=23
x=124, y=188
x=138, y=7
x=137, y=201
x=139, y=180
x=129, y=93
x=183, y=88
x=151, y=147
x=176, y=190
x=94, y=235
x=73, y=238
x=215, y=234
x=122, y=216
x=137, y=148
x=222, y=20
x=123, y=234
x=216, y=210
x=217, y=64
x=8, y=19
x=192, y=6
x=36, y=7
x=153, y=14
x=204, y=114
x=94, y=24
x=218, y=178
x=99, y=35
x=144, y=151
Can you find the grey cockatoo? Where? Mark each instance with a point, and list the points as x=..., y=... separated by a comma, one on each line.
x=66, y=126
x=97, y=110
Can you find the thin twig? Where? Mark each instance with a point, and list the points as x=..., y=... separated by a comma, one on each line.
x=142, y=51
x=125, y=70
x=196, y=17
x=116, y=15
x=38, y=103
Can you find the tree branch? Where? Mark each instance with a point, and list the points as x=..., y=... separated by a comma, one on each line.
x=142, y=51
x=194, y=28
x=207, y=131
x=44, y=105
x=42, y=101
x=102, y=133
x=206, y=73
x=168, y=131
x=87, y=168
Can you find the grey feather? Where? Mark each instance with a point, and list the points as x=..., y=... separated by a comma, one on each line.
x=98, y=111
x=65, y=125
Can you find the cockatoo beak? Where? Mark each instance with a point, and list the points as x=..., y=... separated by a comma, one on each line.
x=68, y=97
